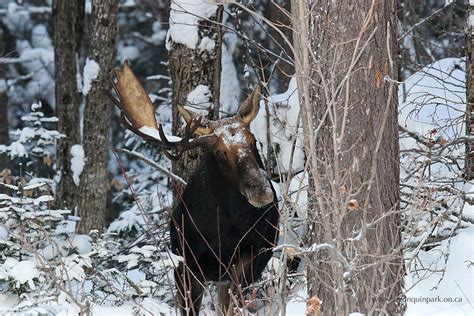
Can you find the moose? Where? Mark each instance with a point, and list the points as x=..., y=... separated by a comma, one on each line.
x=225, y=224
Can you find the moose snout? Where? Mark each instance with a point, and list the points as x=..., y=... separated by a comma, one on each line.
x=261, y=199
x=260, y=193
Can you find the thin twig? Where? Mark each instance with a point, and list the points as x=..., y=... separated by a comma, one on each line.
x=152, y=163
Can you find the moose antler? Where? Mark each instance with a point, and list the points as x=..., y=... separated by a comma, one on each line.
x=137, y=115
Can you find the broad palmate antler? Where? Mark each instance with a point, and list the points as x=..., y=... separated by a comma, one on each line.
x=137, y=115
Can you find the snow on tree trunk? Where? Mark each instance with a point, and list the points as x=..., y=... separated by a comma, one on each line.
x=470, y=92
x=66, y=47
x=349, y=114
x=94, y=182
x=194, y=48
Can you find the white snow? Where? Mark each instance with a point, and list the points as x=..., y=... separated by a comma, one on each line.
x=153, y=132
x=432, y=107
x=16, y=149
x=434, y=99
x=207, y=44
x=230, y=88
x=3, y=232
x=40, y=37
x=91, y=71
x=82, y=243
x=26, y=135
x=42, y=199
x=77, y=162
x=20, y=272
x=470, y=20
x=39, y=62
x=158, y=33
x=284, y=117
x=457, y=283
x=232, y=134
x=127, y=52
x=198, y=99
x=298, y=194
x=184, y=21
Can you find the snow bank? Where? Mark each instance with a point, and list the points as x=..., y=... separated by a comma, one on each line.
x=434, y=98
x=456, y=284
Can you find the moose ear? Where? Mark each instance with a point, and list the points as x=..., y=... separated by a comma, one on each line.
x=187, y=115
x=249, y=109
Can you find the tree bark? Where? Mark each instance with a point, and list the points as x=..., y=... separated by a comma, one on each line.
x=4, y=136
x=94, y=180
x=67, y=16
x=277, y=12
x=349, y=114
x=470, y=96
x=190, y=67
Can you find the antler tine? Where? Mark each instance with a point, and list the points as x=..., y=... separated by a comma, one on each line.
x=195, y=123
x=170, y=156
x=170, y=145
x=163, y=137
x=184, y=144
x=191, y=127
x=112, y=98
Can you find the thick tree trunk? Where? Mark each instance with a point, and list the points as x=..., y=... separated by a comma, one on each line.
x=191, y=67
x=94, y=181
x=4, y=137
x=349, y=113
x=7, y=47
x=470, y=95
x=67, y=17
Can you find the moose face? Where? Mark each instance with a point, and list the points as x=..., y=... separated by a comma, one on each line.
x=235, y=151
x=236, y=156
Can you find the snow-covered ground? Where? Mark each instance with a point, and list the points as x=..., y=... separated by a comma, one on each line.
x=439, y=281
x=432, y=293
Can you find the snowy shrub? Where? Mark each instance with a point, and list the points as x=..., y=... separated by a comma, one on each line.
x=34, y=144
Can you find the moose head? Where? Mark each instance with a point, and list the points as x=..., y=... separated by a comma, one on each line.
x=229, y=139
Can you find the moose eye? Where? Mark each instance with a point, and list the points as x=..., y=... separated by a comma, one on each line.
x=220, y=155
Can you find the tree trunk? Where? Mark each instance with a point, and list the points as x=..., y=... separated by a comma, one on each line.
x=277, y=13
x=94, y=180
x=7, y=48
x=470, y=95
x=4, y=136
x=349, y=114
x=66, y=18
x=191, y=66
